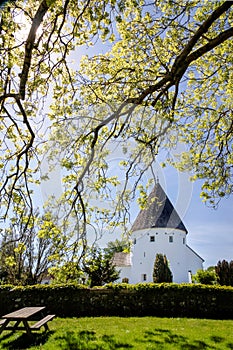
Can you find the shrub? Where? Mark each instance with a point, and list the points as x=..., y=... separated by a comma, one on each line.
x=204, y=277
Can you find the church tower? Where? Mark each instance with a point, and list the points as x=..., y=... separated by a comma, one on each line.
x=159, y=229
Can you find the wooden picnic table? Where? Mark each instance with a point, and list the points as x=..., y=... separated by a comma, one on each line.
x=24, y=315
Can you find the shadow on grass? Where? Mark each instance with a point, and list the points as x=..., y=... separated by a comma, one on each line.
x=25, y=341
x=156, y=339
x=162, y=337
x=88, y=340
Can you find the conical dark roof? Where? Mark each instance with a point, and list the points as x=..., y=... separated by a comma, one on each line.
x=159, y=213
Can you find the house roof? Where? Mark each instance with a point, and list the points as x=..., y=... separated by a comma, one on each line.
x=158, y=213
x=188, y=247
x=121, y=259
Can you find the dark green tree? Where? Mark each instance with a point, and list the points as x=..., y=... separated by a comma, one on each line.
x=99, y=268
x=224, y=272
x=162, y=272
x=231, y=273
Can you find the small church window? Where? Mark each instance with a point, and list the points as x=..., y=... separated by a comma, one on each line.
x=183, y=240
x=144, y=277
x=170, y=239
x=144, y=254
x=134, y=242
x=152, y=238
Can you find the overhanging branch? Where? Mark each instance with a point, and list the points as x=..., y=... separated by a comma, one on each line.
x=37, y=20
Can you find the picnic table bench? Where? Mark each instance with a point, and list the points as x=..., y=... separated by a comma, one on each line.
x=24, y=315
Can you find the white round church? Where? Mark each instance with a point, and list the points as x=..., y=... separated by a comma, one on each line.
x=158, y=229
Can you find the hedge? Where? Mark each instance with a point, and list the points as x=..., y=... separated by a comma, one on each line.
x=149, y=299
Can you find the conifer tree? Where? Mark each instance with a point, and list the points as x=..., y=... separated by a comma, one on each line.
x=162, y=272
x=224, y=272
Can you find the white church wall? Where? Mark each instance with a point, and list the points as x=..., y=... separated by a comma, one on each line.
x=148, y=243
x=125, y=273
x=194, y=261
x=171, y=242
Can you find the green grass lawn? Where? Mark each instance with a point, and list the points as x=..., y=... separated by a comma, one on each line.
x=107, y=333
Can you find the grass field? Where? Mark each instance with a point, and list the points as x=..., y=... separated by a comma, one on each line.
x=109, y=333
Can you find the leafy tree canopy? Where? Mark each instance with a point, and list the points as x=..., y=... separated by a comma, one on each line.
x=25, y=256
x=165, y=75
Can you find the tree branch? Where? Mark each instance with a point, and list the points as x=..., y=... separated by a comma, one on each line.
x=184, y=59
x=209, y=46
x=202, y=30
x=37, y=20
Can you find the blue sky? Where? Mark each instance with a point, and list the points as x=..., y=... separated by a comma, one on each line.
x=210, y=231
